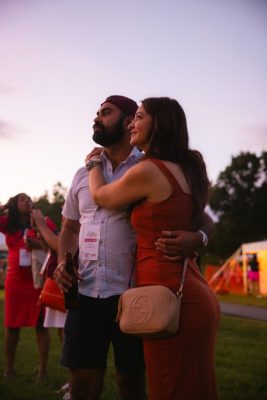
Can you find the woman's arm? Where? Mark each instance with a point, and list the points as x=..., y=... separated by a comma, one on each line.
x=134, y=185
x=50, y=237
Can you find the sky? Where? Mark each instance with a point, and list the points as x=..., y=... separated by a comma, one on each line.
x=61, y=58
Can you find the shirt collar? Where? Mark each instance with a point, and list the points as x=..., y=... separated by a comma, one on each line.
x=135, y=154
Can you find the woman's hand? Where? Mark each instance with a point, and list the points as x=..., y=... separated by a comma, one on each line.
x=3, y=209
x=38, y=219
x=95, y=152
x=32, y=244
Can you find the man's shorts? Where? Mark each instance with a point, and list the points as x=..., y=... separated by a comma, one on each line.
x=87, y=335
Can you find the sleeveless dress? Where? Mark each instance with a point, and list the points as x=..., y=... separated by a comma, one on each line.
x=180, y=367
x=20, y=306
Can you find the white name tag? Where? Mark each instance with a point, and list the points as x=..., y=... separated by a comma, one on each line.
x=25, y=259
x=89, y=242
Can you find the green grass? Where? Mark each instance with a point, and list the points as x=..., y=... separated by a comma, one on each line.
x=241, y=360
x=244, y=300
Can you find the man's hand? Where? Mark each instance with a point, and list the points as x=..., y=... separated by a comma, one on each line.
x=62, y=278
x=178, y=244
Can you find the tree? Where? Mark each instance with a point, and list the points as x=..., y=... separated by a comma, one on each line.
x=53, y=209
x=239, y=199
x=59, y=193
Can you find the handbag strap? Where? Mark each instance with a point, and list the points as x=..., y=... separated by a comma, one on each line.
x=132, y=269
x=179, y=292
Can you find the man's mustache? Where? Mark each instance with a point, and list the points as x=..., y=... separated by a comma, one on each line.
x=98, y=125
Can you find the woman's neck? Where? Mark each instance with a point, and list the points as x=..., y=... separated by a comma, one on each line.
x=24, y=219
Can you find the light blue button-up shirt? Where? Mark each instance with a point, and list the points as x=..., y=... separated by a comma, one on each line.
x=109, y=275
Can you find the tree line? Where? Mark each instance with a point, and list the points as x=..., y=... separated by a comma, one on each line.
x=239, y=200
x=52, y=208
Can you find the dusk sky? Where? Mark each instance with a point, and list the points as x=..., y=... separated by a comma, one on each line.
x=61, y=58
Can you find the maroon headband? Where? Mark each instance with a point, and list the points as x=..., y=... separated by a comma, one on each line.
x=126, y=105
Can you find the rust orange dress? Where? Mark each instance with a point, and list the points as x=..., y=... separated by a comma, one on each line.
x=21, y=298
x=180, y=367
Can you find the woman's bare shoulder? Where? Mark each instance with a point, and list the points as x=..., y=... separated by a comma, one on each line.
x=144, y=166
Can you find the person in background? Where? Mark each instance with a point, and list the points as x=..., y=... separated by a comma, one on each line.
x=49, y=238
x=105, y=275
x=53, y=318
x=253, y=275
x=168, y=190
x=21, y=309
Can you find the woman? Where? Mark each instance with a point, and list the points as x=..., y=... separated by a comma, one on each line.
x=168, y=188
x=21, y=309
x=49, y=239
x=47, y=231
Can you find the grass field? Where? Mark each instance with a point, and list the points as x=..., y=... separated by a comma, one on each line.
x=241, y=360
x=244, y=300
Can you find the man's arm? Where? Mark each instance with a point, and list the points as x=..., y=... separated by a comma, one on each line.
x=68, y=241
x=177, y=244
x=68, y=238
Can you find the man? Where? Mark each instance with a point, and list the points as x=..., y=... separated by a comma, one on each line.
x=106, y=259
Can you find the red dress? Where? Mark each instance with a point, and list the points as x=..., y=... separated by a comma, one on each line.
x=21, y=298
x=180, y=367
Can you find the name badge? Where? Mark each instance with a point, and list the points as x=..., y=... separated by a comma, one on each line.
x=90, y=242
x=25, y=259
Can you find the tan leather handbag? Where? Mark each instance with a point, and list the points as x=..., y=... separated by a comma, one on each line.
x=151, y=311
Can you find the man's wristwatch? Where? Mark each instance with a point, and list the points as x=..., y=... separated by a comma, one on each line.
x=205, y=239
x=92, y=163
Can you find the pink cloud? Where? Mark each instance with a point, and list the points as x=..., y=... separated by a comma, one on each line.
x=258, y=129
x=6, y=89
x=6, y=130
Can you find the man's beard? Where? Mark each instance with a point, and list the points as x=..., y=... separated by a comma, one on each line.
x=108, y=136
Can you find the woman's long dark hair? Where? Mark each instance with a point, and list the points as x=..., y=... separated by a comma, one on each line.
x=169, y=141
x=14, y=222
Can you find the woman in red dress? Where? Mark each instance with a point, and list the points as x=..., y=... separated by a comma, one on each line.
x=21, y=309
x=169, y=191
